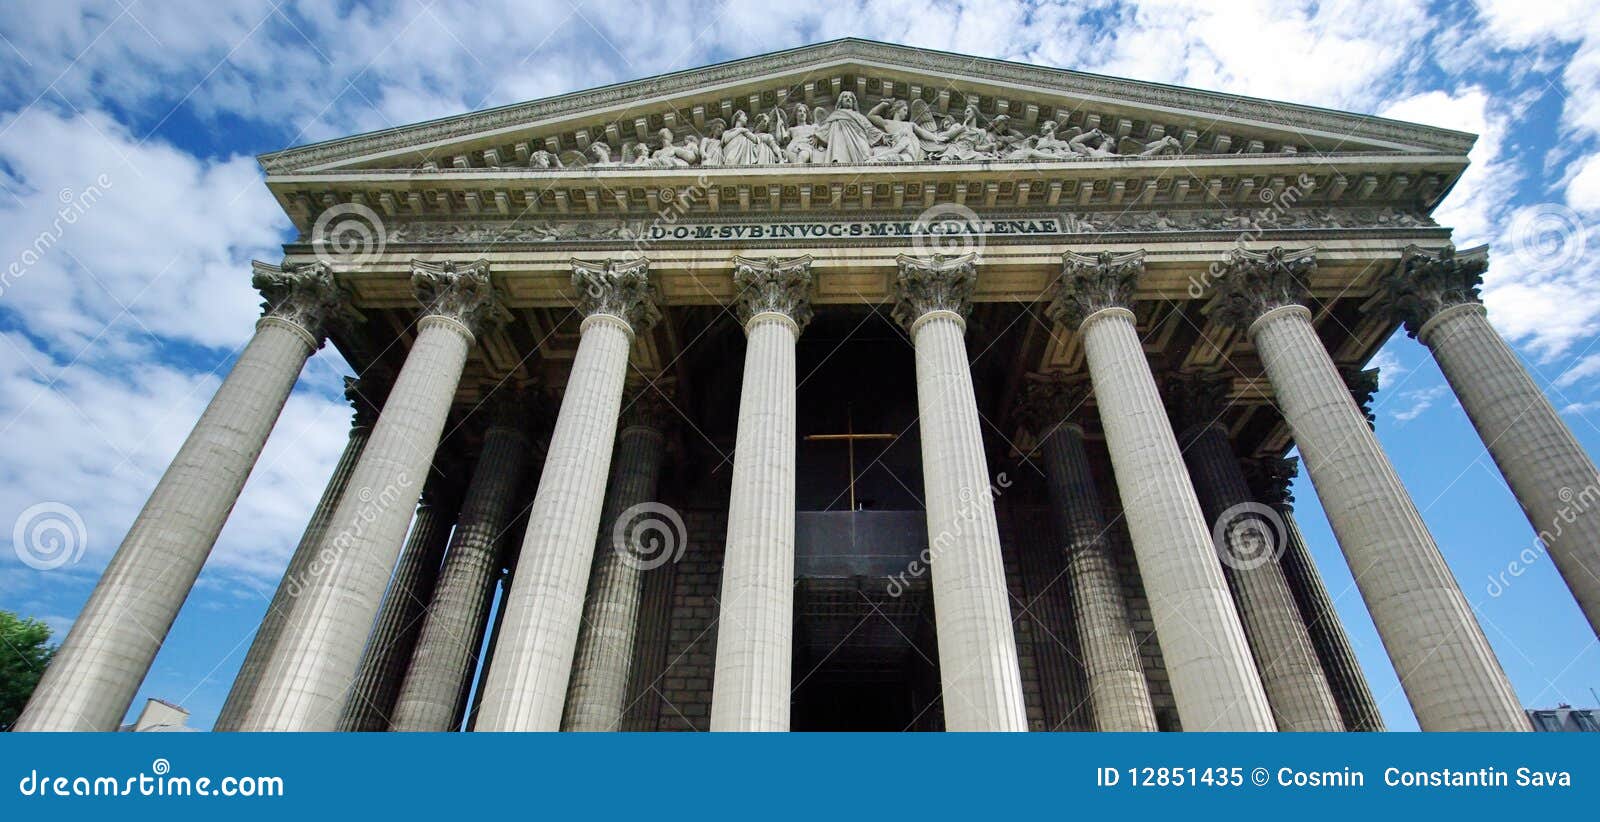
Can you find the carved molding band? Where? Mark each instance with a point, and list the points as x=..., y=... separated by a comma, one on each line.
x=620, y=288
x=1425, y=283
x=772, y=285
x=1254, y=283
x=461, y=292
x=305, y=295
x=1092, y=282
x=937, y=283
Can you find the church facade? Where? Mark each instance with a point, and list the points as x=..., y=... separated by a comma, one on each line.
x=853, y=387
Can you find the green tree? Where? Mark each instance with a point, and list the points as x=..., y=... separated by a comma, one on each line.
x=24, y=653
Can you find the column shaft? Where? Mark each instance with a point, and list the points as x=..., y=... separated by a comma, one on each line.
x=1118, y=692
x=1345, y=677
x=317, y=658
x=294, y=575
x=978, y=664
x=1208, y=658
x=394, y=634
x=1290, y=672
x=98, y=668
x=440, y=673
x=1552, y=477
x=751, y=682
x=1449, y=672
x=527, y=687
x=598, y=692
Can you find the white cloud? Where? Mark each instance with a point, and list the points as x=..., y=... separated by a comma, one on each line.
x=1418, y=401
x=1583, y=369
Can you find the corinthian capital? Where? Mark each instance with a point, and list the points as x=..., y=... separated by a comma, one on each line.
x=774, y=286
x=1363, y=386
x=1196, y=399
x=936, y=283
x=1255, y=282
x=365, y=395
x=1427, y=283
x=459, y=291
x=305, y=295
x=620, y=288
x=1049, y=403
x=1092, y=282
x=1270, y=479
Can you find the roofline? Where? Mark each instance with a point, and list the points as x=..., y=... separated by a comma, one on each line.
x=1444, y=136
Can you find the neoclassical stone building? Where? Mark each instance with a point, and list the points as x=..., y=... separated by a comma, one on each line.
x=854, y=386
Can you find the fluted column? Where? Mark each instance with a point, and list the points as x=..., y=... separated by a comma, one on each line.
x=1554, y=480
x=1269, y=481
x=1249, y=537
x=1449, y=672
x=394, y=633
x=440, y=672
x=1118, y=692
x=634, y=538
x=315, y=664
x=366, y=401
x=527, y=687
x=98, y=668
x=978, y=667
x=751, y=684
x=1214, y=680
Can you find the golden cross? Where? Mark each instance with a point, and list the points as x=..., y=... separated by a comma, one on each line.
x=849, y=438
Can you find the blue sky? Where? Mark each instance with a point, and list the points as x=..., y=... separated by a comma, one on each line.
x=116, y=334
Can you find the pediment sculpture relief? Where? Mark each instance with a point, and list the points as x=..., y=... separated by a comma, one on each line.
x=894, y=130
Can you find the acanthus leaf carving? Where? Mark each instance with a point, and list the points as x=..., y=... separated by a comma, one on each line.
x=772, y=285
x=462, y=292
x=620, y=288
x=306, y=295
x=1255, y=282
x=1094, y=282
x=935, y=283
x=1426, y=283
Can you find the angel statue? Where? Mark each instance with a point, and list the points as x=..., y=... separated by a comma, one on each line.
x=847, y=136
x=910, y=138
x=802, y=146
x=711, y=142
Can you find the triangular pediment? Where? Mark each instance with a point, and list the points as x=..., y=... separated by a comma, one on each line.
x=1043, y=115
